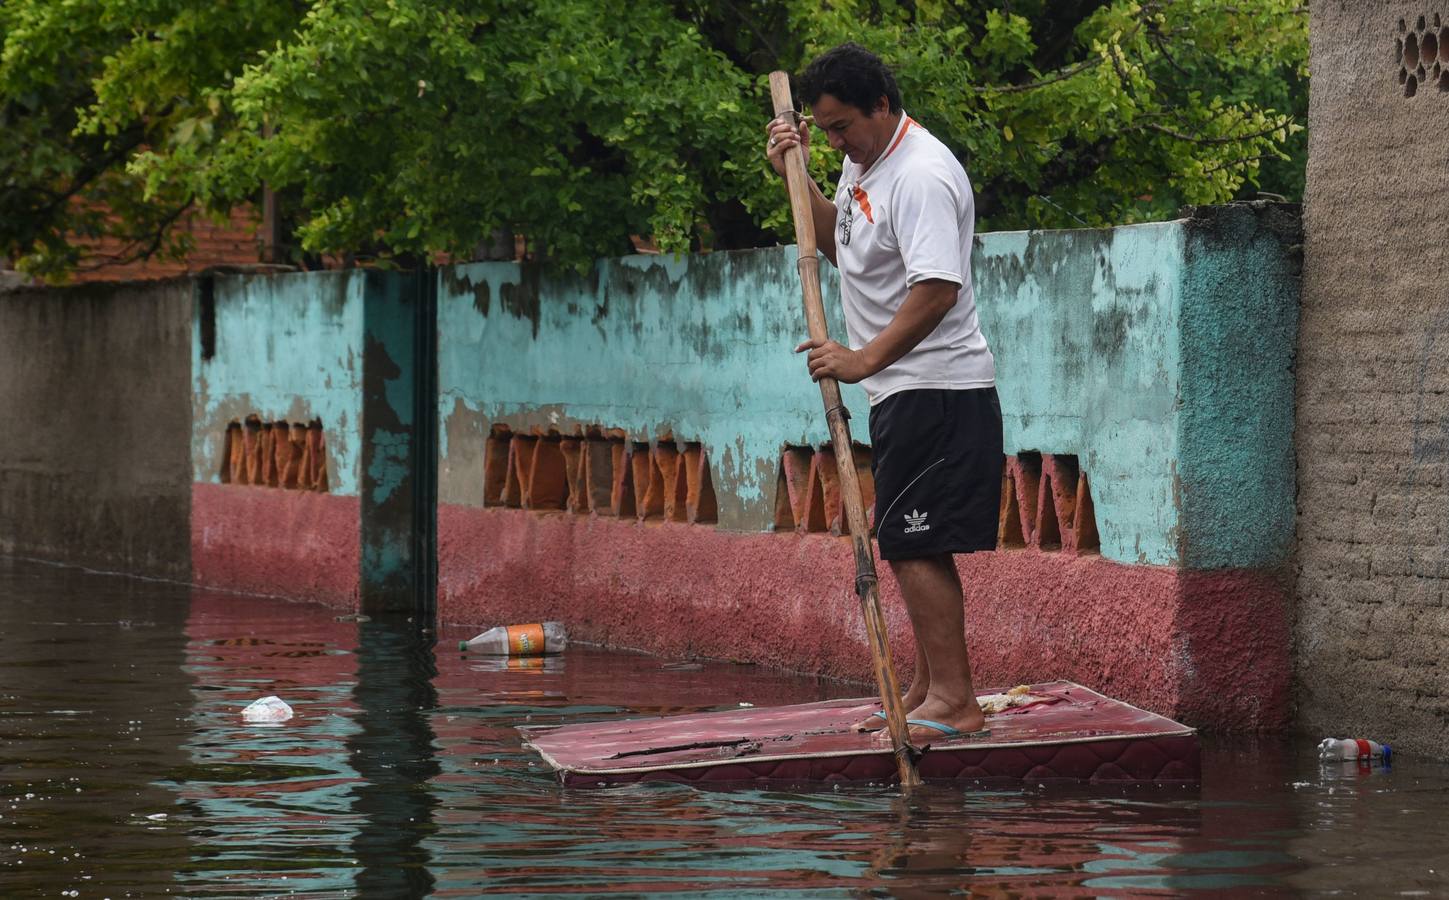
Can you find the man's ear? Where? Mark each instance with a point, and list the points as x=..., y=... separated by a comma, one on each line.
x=882, y=106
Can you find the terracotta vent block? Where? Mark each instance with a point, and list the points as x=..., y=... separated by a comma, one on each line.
x=496, y=464
x=700, y=502
x=252, y=435
x=289, y=445
x=1009, y=531
x=621, y=501
x=790, y=487
x=669, y=476
x=572, y=449
x=520, y=470
x=548, y=477
x=648, y=484
x=274, y=454
x=1046, y=503
x=823, y=495
x=598, y=479
x=231, y=451
x=599, y=471
x=316, y=457
x=808, y=490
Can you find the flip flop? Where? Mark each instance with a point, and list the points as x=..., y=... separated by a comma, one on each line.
x=947, y=731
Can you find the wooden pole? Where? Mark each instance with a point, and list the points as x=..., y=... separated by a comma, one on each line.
x=837, y=419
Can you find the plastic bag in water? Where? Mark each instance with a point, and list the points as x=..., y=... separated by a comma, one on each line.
x=267, y=709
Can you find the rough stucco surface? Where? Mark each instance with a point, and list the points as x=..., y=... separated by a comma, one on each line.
x=1373, y=392
x=94, y=394
x=1210, y=648
x=296, y=544
x=1239, y=327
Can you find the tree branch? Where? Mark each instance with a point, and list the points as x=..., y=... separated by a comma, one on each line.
x=1199, y=139
x=1078, y=69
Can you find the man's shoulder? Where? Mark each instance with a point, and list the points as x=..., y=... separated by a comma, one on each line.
x=925, y=152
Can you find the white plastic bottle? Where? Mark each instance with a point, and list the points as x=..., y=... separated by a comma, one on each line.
x=1354, y=749
x=519, y=640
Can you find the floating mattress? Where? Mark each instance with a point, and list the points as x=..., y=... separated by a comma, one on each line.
x=1042, y=732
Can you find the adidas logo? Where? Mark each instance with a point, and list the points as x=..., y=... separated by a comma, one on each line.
x=917, y=522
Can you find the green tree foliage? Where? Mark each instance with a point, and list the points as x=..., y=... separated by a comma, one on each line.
x=422, y=127
x=85, y=89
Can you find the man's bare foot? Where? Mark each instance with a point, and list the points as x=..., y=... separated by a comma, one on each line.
x=962, y=719
x=875, y=721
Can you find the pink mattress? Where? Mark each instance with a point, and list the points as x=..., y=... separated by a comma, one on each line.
x=1064, y=732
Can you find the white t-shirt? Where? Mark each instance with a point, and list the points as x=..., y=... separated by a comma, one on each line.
x=910, y=216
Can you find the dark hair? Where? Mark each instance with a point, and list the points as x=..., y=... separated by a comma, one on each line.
x=853, y=75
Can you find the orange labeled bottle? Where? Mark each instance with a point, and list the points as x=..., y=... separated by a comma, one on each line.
x=535, y=639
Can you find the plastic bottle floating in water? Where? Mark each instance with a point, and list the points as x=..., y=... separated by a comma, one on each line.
x=519, y=640
x=1350, y=749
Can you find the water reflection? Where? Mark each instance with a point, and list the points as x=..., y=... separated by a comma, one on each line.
x=392, y=750
x=126, y=770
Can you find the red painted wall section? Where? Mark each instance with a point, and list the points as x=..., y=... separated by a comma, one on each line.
x=1208, y=648
x=299, y=544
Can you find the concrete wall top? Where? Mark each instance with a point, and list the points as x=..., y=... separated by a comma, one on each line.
x=1097, y=334
x=93, y=389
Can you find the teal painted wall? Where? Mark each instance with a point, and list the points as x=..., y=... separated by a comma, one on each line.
x=699, y=346
x=287, y=347
x=1083, y=325
x=1106, y=342
x=1239, y=339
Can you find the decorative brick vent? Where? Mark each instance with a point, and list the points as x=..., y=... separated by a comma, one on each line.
x=1046, y=504
x=275, y=454
x=600, y=471
x=807, y=493
x=1421, y=54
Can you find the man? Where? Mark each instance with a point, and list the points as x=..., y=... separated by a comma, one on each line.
x=900, y=231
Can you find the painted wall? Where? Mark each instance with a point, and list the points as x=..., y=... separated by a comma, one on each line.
x=1159, y=356
x=1373, y=384
x=94, y=383
x=287, y=348
x=698, y=346
x=1142, y=350
x=338, y=347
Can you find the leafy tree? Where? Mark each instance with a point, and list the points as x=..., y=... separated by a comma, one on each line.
x=413, y=128
x=85, y=88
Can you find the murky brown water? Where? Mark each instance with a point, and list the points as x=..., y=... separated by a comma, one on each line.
x=126, y=771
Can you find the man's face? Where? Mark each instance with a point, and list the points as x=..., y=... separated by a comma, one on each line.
x=860, y=136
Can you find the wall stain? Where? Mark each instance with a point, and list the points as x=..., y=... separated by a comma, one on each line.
x=521, y=300
x=458, y=283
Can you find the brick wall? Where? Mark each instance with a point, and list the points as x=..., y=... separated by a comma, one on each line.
x=233, y=242
x=1373, y=379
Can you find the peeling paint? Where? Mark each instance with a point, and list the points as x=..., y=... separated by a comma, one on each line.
x=1087, y=328
x=285, y=350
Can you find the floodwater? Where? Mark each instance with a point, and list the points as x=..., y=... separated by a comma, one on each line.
x=127, y=771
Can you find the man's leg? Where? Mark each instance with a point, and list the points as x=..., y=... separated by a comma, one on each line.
x=931, y=589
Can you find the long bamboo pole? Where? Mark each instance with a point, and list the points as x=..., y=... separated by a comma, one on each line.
x=836, y=417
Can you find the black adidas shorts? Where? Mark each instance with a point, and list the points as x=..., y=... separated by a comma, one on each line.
x=936, y=457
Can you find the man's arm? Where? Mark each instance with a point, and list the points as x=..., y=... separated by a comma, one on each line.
x=925, y=306
x=782, y=136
